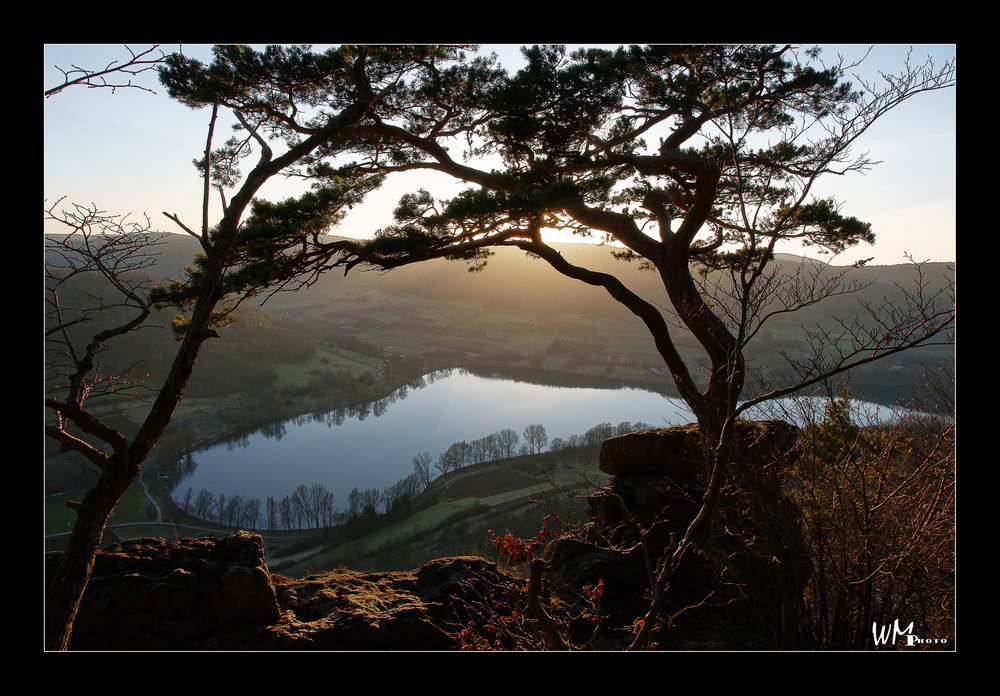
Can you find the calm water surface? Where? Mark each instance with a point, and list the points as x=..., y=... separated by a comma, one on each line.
x=376, y=448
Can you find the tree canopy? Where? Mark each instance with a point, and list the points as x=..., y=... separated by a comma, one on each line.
x=253, y=247
x=742, y=133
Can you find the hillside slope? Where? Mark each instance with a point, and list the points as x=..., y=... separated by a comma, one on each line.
x=517, y=305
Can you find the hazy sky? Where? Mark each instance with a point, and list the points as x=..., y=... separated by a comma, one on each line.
x=131, y=152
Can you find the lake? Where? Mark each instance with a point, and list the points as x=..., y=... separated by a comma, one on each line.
x=375, y=447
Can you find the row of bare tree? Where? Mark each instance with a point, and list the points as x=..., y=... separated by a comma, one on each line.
x=503, y=445
x=305, y=507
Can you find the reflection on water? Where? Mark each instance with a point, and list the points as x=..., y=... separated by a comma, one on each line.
x=373, y=445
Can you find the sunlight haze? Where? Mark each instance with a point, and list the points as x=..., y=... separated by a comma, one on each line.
x=130, y=152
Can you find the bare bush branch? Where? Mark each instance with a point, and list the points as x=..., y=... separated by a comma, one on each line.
x=93, y=79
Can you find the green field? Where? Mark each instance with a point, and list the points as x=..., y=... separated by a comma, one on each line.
x=468, y=507
x=455, y=517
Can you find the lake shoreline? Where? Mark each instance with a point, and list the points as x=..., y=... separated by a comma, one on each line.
x=474, y=410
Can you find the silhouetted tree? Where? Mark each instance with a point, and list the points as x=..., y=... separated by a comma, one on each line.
x=318, y=499
x=730, y=181
x=287, y=512
x=507, y=440
x=252, y=513
x=271, y=512
x=204, y=504
x=354, y=502
x=422, y=468
x=535, y=437
x=252, y=246
x=221, y=508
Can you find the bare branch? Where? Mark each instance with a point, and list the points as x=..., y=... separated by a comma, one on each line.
x=94, y=79
x=104, y=258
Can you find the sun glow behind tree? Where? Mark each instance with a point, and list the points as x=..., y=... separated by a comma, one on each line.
x=135, y=158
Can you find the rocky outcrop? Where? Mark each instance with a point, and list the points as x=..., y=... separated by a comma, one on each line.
x=150, y=593
x=737, y=589
x=217, y=593
x=752, y=561
x=423, y=609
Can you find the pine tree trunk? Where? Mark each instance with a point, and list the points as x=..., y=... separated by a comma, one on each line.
x=121, y=468
x=63, y=596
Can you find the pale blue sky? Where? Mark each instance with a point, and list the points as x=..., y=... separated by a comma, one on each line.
x=131, y=152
